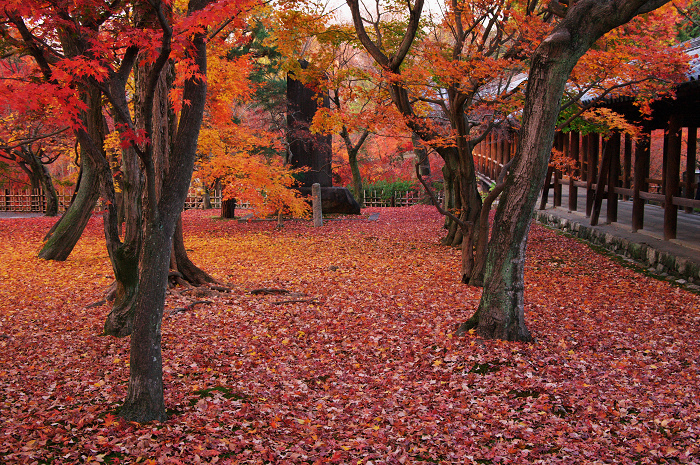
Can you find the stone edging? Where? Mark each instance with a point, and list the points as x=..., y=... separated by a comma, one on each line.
x=645, y=255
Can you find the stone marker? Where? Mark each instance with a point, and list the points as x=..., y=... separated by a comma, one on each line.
x=316, y=204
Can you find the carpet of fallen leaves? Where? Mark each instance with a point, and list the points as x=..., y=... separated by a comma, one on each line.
x=358, y=364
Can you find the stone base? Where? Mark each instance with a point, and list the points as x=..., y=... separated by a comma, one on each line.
x=335, y=200
x=656, y=261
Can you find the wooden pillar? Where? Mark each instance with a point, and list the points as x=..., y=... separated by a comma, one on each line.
x=690, y=163
x=603, y=178
x=627, y=165
x=513, y=146
x=547, y=183
x=487, y=161
x=584, y=158
x=574, y=155
x=500, y=156
x=672, y=179
x=557, y=173
x=496, y=157
x=613, y=176
x=642, y=154
x=664, y=163
x=593, y=150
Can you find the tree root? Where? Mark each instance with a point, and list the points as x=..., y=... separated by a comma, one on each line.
x=269, y=291
x=294, y=301
x=468, y=325
x=188, y=307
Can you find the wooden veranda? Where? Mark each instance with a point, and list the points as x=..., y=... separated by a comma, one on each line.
x=619, y=167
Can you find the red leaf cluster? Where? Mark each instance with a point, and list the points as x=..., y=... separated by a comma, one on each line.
x=365, y=369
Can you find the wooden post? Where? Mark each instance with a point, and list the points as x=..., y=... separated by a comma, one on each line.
x=690, y=165
x=642, y=154
x=489, y=152
x=557, y=173
x=672, y=180
x=575, y=156
x=613, y=176
x=664, y=164
x=627, y=168
x=545, y=188
x=593, y=147
x=584, y=157
x=316, y=204
x=603, y=176
x=497, y=158
x=507, y=147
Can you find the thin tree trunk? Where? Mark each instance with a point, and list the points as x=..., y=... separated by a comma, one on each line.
x=144, y=400
x=356, y=177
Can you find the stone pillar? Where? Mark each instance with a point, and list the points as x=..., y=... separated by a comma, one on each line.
x=316, y=205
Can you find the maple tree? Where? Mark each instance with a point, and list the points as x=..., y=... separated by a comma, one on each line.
x=370, y=370
x=238, y=151
x=501, y=310
x=90, y=58
x=470, y=66
x=34, y=132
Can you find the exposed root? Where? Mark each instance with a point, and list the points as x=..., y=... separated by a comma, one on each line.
x=294, y=301
x=269, y=291
x=188, y=307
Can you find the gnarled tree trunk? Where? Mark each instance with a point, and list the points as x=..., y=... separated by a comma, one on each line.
x=65, y=233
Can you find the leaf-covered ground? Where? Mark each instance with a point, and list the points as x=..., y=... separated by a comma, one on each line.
x=363, y=368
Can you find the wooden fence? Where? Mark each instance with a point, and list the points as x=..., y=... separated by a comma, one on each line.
x=27, y=200
x=379, y=198
x=31, y=200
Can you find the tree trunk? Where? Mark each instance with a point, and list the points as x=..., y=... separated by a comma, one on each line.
x=356, y=177
x=144, y=399
x=353, y=149
x=65, y=233
x=61, y=239
x=501, y=311
x=41, y=179
x=228, y=208
x=181, y=263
